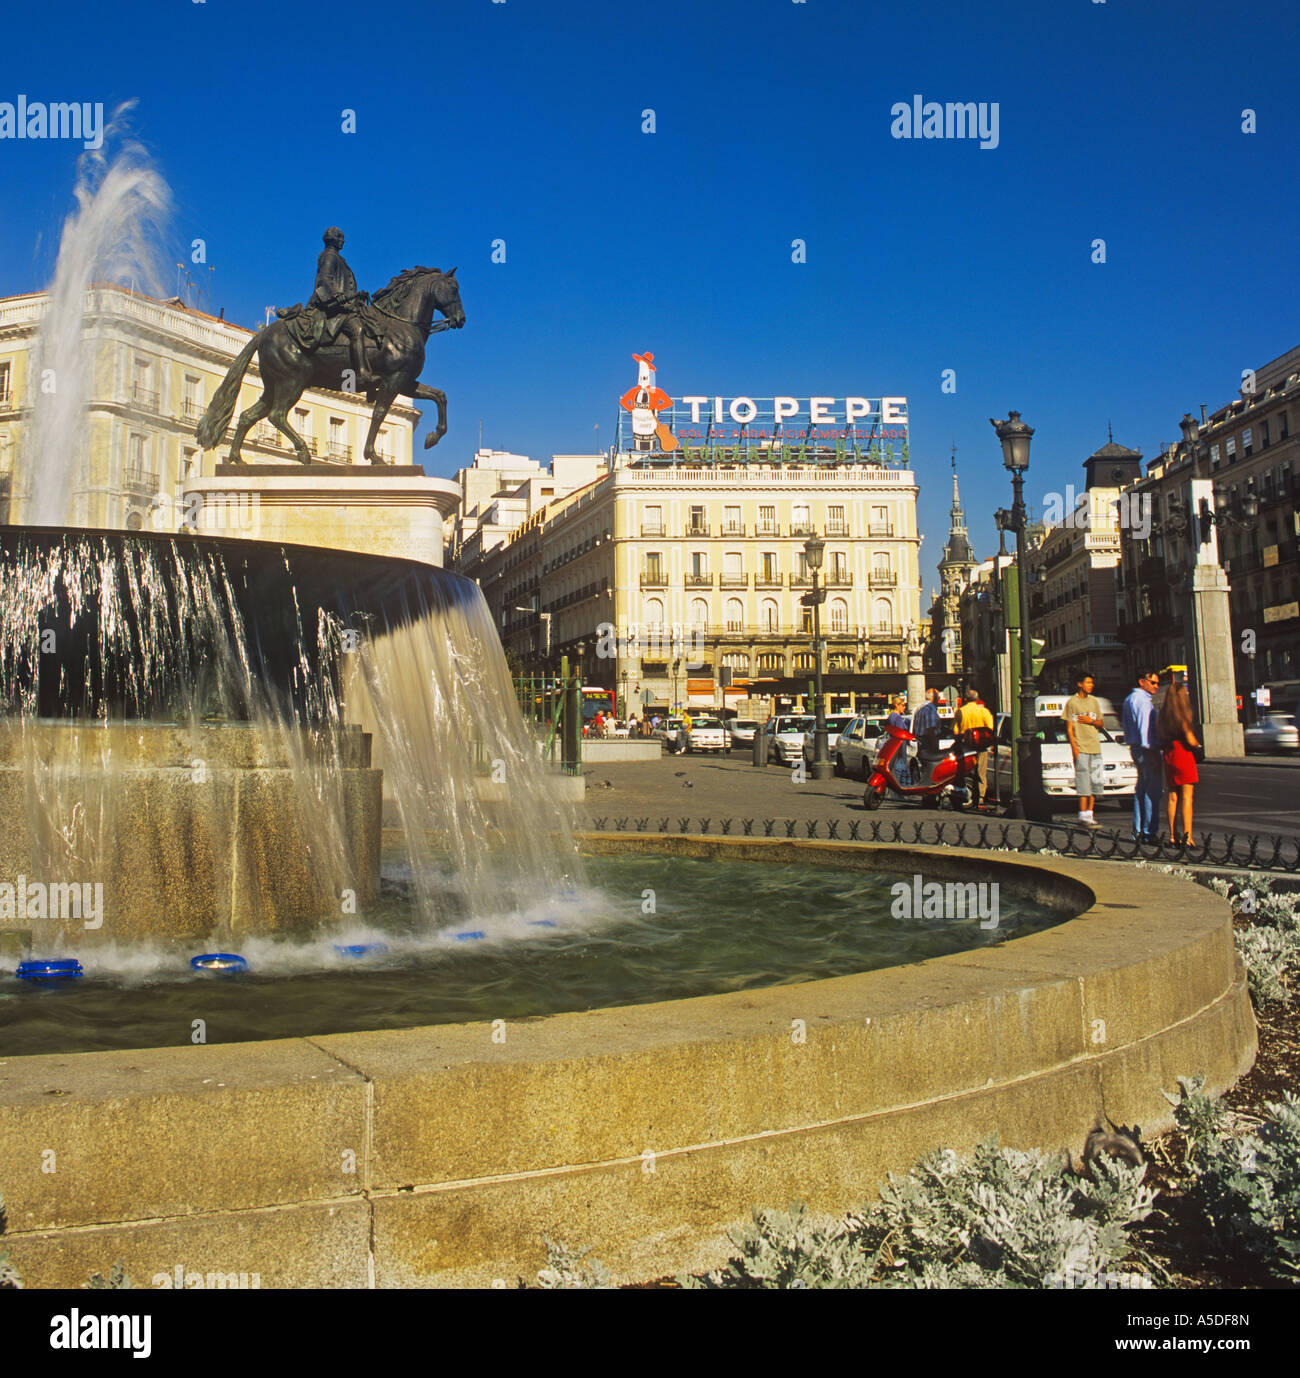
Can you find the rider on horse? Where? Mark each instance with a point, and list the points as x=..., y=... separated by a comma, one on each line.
x=334, y=309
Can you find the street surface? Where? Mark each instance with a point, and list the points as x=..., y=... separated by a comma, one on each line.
x=1256, y=795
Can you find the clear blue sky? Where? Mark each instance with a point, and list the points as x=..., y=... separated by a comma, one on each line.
x=522, y=121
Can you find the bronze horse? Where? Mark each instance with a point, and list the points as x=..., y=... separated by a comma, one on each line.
x=400, y=316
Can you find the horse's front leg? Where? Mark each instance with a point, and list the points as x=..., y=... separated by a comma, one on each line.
x=383, y=401
x=427, y=394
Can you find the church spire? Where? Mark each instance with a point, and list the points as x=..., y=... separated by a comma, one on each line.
x=957, y=551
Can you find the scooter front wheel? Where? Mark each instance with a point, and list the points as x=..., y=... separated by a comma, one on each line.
x=871, y=799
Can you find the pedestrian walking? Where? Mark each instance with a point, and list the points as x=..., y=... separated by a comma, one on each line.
x=1174, y=729
x=1139, y=718
x=970, y=715
x=1083, y=721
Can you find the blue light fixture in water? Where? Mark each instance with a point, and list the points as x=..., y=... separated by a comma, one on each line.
x=541, y=923
x=63, y=970
x=470, y=935
x=360, y=949
x=220, y=963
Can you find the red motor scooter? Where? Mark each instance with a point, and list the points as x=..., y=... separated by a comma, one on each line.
x=940, y=781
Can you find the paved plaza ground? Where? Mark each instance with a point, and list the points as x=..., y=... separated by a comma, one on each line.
x=1257, y=795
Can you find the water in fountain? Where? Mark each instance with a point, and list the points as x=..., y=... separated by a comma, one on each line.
x=112, y=236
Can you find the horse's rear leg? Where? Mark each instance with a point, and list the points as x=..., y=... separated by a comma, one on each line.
x=280, y=420
x=247, y=420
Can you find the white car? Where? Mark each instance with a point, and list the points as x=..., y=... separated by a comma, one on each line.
x=742, y=731
x=854, y=751
x=1058, y=762
x=667, y=732
x=707, y=734
x=835, y=724
x=785, y=744
x=1273, y=732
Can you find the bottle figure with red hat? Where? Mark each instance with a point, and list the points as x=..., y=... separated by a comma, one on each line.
x=645, y=401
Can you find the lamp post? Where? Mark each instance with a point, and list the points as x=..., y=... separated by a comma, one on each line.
x=814, y=549
x=1015, y=437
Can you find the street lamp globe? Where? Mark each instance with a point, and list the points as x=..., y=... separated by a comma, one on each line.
x=1015, y=437
x=1250, y=503
x=1189, y=429
x=814, y=548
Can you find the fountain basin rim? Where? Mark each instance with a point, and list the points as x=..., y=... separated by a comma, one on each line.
x=738, y=1110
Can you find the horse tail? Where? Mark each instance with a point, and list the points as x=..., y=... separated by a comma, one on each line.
x=222, y=407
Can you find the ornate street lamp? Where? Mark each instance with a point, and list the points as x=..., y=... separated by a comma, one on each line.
x=1028, y=801
x=814, y=550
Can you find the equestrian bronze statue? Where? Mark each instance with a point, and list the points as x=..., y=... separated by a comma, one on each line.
x=345, y=341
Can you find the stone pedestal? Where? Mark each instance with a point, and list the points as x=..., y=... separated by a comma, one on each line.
x=376, y=509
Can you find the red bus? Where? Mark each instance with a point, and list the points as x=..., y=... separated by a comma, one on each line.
x=596, y=699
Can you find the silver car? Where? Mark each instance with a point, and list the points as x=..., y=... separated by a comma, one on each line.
x=1273, y=732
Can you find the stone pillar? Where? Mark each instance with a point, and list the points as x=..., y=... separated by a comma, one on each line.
x=1213, y=671
x=915, y=677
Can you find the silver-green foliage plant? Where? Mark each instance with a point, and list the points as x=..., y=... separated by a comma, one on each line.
x=9, y=1277
x=564, y=1270
x=1270, y=944
x=1001, y=1219
x=116, y=1279
x=1247, y=1186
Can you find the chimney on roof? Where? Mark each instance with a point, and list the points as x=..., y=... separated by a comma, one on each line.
x=222, y=316
x=1202, y=413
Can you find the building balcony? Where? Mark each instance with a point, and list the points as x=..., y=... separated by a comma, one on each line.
x=140, y=484
x=769, y=581
x=654, y=579
x=735, y=581
x=801, y=581
x=192, y=409
x=883, y=579
x=336, y=449
x=697, y=529
x=652, y=528
x=732, y=529
x=6, y=399
x=839, y=531
x=802, y=529
x=838, y=579
x=880, y=529
x=144, y=397
x=767, y=529
x=884, y=631
x=699, y=581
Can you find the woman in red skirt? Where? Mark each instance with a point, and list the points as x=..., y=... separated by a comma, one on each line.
x=1174, y=730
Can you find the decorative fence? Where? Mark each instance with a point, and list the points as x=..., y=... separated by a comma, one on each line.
x=1227, y=850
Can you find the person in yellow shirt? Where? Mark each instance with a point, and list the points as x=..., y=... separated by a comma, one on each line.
x=970, y=715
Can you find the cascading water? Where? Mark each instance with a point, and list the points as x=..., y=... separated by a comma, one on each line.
x=155, y=682
x=112, y=236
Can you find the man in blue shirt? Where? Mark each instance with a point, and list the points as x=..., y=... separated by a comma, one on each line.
x=1139, y=719
x=925, y=728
